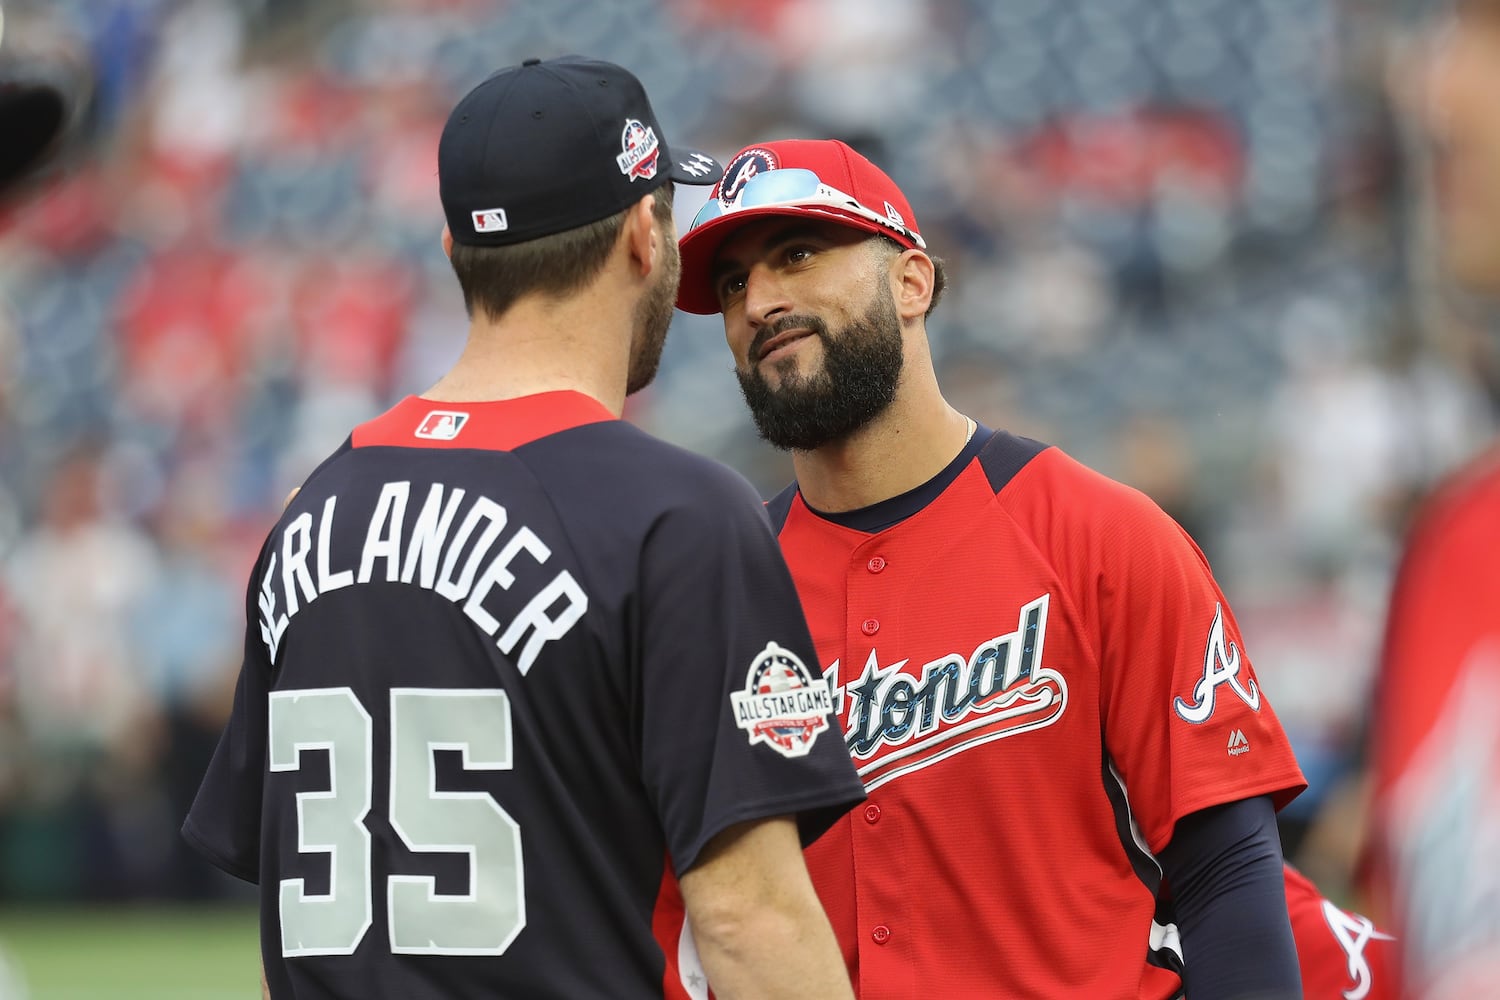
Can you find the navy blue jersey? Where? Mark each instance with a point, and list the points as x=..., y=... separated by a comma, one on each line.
x=508, y=667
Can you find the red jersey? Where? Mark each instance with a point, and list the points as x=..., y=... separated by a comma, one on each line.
x=1436, y=746
x=1343, y=956
x=1037, y=677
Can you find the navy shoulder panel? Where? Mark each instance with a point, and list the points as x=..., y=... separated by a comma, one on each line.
x=780, y=506
x=1006, y=454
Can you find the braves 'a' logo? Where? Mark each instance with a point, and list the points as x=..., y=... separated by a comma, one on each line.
x=901, y=722
x=1221, y=665
x=742, y=170
x=1353, y=932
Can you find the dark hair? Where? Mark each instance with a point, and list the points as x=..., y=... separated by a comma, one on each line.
x=494, y=278
x=939, y=274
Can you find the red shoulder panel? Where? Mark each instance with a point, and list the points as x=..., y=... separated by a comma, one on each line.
x=495, y=425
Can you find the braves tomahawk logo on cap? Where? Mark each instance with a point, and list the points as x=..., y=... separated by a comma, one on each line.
x=639, y=150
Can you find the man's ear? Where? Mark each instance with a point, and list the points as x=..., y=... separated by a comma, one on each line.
x=447, y=242
x=912, y=280
x=642, y=235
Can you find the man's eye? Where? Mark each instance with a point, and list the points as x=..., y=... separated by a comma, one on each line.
x=796, y=255
x=730, y=287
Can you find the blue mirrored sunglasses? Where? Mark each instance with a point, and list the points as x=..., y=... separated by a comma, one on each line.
x=795, y=187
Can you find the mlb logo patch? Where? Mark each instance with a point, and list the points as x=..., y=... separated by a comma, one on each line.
x=490, y=220
x=442, y=425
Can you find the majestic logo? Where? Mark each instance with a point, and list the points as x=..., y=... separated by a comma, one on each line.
x=1353, y=932
x=901, y=722
x=782, y=705
x=490, y=220
x=639, y=151
x=441, y=425
x=742, y=170
x=1221, y=665
x=1237, y=743
x=698, y=165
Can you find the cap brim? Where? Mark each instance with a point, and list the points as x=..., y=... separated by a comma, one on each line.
x=700, y=246
x=692, y=166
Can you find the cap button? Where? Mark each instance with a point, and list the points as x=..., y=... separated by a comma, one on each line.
x=533, y=61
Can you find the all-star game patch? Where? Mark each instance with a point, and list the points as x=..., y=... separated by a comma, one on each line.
x=783, y=705
x=639, y=150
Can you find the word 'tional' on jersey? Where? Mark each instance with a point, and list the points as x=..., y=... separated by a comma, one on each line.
x=901, y=722
x=428, y=556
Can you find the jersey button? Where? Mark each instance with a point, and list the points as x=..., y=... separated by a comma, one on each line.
x=881, y=934
x=872, y=813
x=870, y=626
x=875, y=565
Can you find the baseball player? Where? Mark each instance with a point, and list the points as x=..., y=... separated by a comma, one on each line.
x=516, y=672
x=1434, y=744
x=1072, y=769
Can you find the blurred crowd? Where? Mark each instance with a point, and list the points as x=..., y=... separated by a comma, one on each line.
x=1183, y=246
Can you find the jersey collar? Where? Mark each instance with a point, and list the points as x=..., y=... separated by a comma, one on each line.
x=891, y=512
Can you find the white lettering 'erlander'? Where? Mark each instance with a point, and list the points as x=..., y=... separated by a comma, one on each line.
x=432, y=554
x=490, y=220
x=782, y=705
x=1221, y=665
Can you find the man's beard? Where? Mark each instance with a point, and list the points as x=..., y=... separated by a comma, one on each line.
x=861, y=369
x=653, y=315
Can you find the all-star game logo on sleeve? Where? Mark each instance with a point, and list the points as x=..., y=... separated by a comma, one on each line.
x=782, y=705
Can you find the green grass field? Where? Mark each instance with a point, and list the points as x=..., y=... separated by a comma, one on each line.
x=129, y=953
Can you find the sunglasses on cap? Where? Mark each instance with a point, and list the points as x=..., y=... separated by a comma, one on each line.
x=795, y=187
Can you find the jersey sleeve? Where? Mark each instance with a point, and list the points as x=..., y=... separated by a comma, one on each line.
x=224, y=823
x=1185, y=720
x=736, y=720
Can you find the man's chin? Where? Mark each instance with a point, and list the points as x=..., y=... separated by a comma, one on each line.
x=784, y=374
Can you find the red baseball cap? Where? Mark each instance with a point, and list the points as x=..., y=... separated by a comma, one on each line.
x=825, y=177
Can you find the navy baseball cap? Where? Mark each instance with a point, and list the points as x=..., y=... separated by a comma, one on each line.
x=551, y=145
